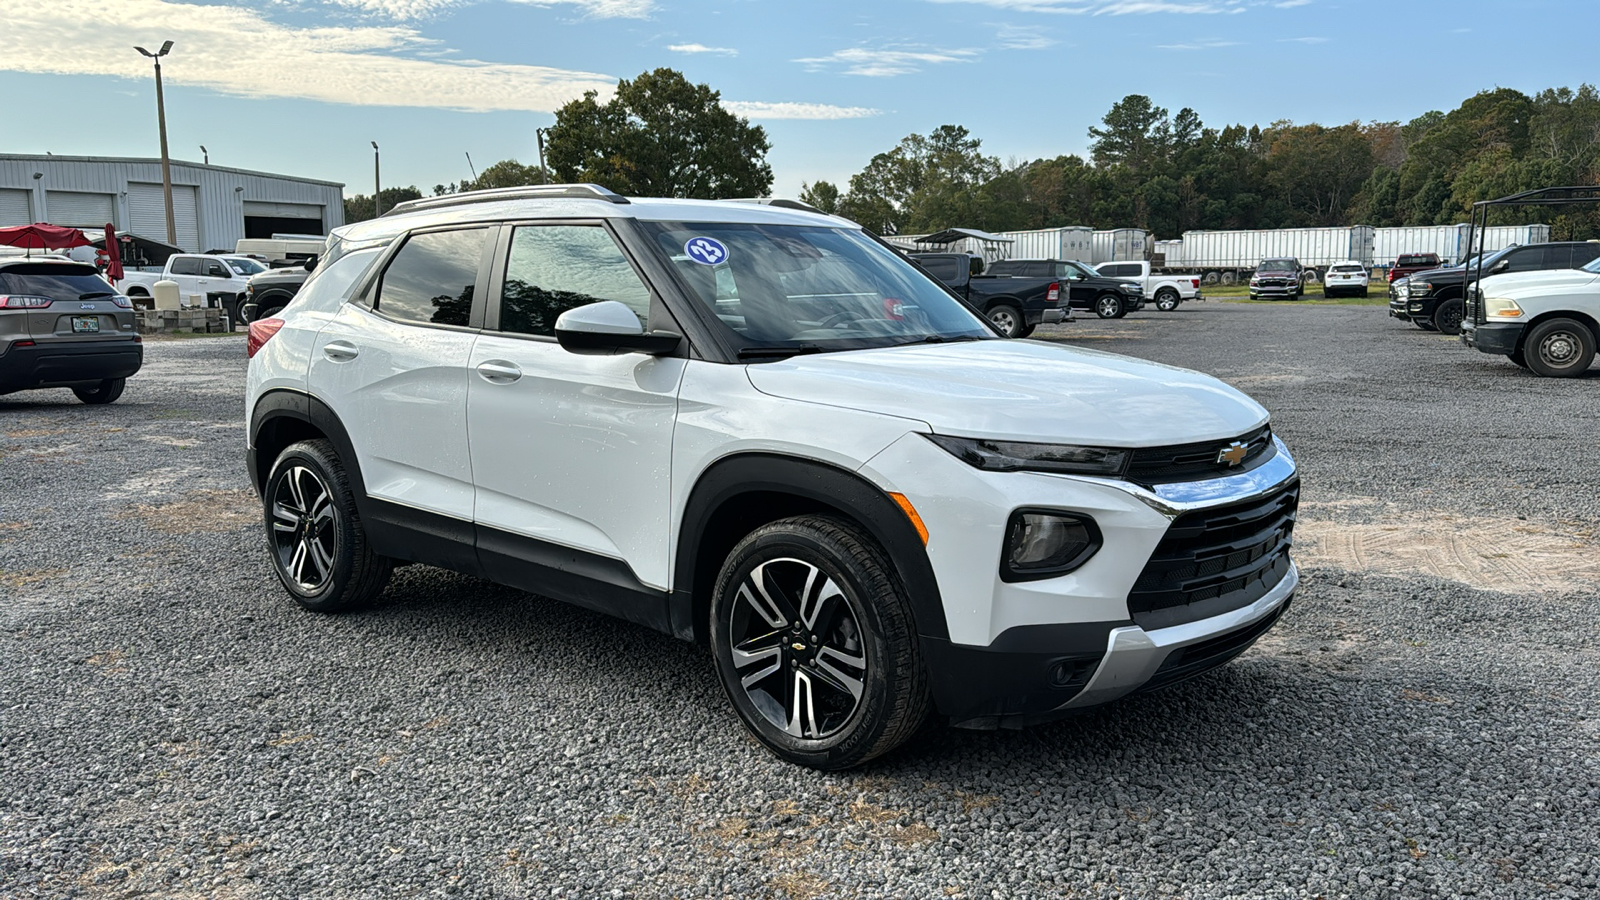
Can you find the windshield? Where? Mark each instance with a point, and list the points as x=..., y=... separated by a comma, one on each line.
x=56, y=281
x=244, y=266
x=1276, y=265
x=800, y=288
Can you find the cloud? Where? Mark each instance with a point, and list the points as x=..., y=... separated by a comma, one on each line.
x=756, y=109
x=885, y=63
x=1112, y=7
x=403, y=10
x=1013, y=38
x=1291, y=4
x=236, y=51
x=702, y=48
x=1198, y=45
x=1303, y=40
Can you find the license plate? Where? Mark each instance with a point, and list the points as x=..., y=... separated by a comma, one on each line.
x=85, y=324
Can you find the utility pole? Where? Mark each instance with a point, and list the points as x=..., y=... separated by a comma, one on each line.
x=544, y=174
x=166, y=162
x=377, y=184
x=205, y=154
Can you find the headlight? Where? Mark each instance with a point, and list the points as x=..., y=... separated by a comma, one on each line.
x=1045, y=543
x=1131, y=288
x=1015, y=456
x=1500, y=306
x=1420, y=288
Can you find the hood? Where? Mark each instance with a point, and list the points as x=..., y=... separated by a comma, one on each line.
x=1521, y=283
x=1443, y=273
x=1020, y=390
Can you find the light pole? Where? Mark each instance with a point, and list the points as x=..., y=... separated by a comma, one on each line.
x=377, y=184
x=166, y=162
x=544, y=175
x=205, y=154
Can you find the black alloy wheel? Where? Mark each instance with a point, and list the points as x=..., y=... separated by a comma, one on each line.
x=814, y=644
x=1447, y=318
x=319, y=547
x=1559, y=348
x=105, y=392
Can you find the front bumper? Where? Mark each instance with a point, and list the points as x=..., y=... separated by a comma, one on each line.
x=68, y=364
x=1273, y=290
x=1501, y=338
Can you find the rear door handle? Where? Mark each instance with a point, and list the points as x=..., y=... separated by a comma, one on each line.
x=498, y=371
x=340, y=351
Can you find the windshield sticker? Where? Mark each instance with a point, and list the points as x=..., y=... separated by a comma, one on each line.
x=706, y=251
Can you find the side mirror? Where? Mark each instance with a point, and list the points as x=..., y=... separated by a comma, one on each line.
x=217, y=272
x=1500, y=266
x=609, y=327
x=311, y=263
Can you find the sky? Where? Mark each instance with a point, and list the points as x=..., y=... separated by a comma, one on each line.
x=302, y=87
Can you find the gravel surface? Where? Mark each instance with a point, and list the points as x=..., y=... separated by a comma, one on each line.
x=171, y=725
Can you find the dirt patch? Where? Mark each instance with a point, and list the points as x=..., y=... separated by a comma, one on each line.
x=1486, y=552
x=27, y=578
x=200, y=512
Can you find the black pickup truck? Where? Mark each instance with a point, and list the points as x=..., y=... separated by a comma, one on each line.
x=1433, y=299
x=1015, y=305
x=1109, y=298
x=270, y=291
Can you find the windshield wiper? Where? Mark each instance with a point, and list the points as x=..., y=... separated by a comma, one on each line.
x=777, y=352
x=93, y=294
x=940, y=339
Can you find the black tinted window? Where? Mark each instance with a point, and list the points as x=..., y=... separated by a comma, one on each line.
x=61, y=283
x=1528, y=259
x=1584, y=253
x=186, y=266
x=554, y=268
x=431, y=278
x=946, y=270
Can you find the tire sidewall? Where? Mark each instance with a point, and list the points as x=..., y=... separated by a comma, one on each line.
x=866, y=725
x=1016, y=319
x=329, y=597
x=1537, y=335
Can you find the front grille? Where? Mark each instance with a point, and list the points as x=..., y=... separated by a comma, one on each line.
x=1187, y=662
x=1215, y=560
x=1197, y=462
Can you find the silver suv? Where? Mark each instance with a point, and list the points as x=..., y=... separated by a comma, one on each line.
x=64, y=326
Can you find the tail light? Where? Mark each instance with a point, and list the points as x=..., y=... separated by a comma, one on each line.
x=1053, y=294
x=122, y=302
x=23, y=301
x=1391, y=274
x=261, y=331
x=23, y=344
x=1195, y=283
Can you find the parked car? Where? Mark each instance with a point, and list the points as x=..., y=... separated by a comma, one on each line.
x=1165, y=290
x=1434, y=300
x=63, y=325
x=269, y=292
x=1345, y=278
x=1548, y=321
x=1276, y=278
x=196, y=274
x=1407, y=263
x=1109, y=298
x=1016, y=305
x=759, y=428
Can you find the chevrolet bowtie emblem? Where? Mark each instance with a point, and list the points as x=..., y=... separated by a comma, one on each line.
x=1233, y=454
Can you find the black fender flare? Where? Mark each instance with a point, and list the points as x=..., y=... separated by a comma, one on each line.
x=279, y=405
x=821, y=486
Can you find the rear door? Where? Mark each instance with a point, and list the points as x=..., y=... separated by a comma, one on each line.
x=570, y=452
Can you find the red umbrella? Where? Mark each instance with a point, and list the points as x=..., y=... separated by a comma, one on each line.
x=113, y=256
x=40, y=236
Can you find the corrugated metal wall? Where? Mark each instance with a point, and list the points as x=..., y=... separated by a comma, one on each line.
x=219, y=193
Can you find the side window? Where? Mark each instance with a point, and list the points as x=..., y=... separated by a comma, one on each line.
x=430, y=280
x=943, y=268
x=554, y=268
x=1039, y=270
x=1527, y=259
x=186, y=265
x=1584, y=253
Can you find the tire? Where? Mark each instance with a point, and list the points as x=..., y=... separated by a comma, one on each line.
x=1518, y=357
x=313, y=530
x=105, y=392
x=1559, y=348
x=1363, y=293
x=269, y=313
x=1424, y=324
x=1026, y=331
x=1447, y=317
x=1008, y=319
x=862, y=669
x=1167, y=300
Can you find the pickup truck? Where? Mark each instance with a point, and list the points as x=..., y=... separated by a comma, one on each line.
x=269, y=292
x=1410, y=263
x=1166, y=291
x=1545, y=321
x=1433, y=300
x=196, y=275
x=1110, y=298
x=1015, y=305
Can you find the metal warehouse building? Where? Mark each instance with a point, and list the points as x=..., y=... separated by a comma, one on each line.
x=214, y=206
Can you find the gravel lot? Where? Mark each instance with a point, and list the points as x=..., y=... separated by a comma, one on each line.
x=1422, y=723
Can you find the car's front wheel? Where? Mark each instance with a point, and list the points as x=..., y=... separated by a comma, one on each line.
x=1559, y=348
x=105, y=392
x=319, y=546
x=1108, y=306
x=815, y=645
x=1447, y=318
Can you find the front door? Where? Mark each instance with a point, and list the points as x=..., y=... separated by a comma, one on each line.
x=571, y=453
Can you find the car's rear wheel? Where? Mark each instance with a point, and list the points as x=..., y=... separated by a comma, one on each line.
x=1447, y=318
x=1026, y=330
x=1167, y=300
x=1008, y=319
x=105, y=392
x=1559, y=348
x=814, y=643
x=319, y=546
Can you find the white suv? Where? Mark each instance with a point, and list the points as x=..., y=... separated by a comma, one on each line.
x=756, y=426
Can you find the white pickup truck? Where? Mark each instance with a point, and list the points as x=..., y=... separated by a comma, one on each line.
x=1164, y=291
x=1546, y=321
x=196, y=275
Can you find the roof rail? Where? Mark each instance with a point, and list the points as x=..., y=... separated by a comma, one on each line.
x=528, y=192
x=779, y=202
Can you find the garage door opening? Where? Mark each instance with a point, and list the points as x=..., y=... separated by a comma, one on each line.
x=267, y=226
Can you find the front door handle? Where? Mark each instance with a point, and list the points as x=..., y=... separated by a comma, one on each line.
x=498, y=371
x=340, y=351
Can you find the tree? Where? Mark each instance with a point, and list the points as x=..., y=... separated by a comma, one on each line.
x=927, y=182
x=824, y=195
x=359, y=208
x=1137, y=133
x=660, y=136
x=503, y=174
